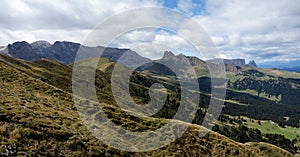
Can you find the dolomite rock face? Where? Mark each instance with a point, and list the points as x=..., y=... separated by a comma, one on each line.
x=252, y=64
x=235, y=62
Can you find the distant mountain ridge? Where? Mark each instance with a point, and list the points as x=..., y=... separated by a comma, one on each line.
x=65, y=52
x=62, y=51
x=291, y=69
x=236, y=62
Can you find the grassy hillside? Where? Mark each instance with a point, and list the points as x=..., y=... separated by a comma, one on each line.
x=38, y=117
x=269, y=127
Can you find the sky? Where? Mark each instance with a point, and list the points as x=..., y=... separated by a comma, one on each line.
x=267, y=31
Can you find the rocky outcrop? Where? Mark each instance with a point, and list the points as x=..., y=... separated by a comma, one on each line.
x=168, y=55
x=39, y=46
x=171, y=64
x=188, y=60
x=252, y=64
x=236, y=62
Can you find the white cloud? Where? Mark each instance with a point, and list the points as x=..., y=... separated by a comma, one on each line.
x=253, y=29
x=9, y=36
x=235, y=40
x=152, y=43
x=219, y=40
x=143, y=35
x=151, y=50
x=58, y=18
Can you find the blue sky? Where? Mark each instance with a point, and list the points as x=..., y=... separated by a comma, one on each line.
x=196, y=7
x=265, y=31
x=170, y=4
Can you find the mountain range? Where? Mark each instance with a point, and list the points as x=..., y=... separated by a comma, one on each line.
x=61, y=51
x=292, y=69
x=293, y=66
x=65, y=52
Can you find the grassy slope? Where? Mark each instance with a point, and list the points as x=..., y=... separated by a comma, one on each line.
x=234, y=76
x=268, y=149
x=274, y=72
x=38, y=118
x=268, y=128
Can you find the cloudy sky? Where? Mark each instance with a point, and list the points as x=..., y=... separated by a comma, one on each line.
x=267, y=31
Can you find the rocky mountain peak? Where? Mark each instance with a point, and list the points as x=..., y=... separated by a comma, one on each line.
x=252, y=63
x=40, y=43
x=19, y=45
x=40, y=46
x=22, y=50
x=168, y=54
